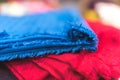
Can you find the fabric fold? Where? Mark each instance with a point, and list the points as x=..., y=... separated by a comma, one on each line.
x=39, y=34
x=104, y=64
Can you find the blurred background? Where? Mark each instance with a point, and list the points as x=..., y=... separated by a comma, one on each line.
x=106, y=11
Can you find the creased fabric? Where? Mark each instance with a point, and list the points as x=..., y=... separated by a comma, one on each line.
x=39, y=34
x=101, y=65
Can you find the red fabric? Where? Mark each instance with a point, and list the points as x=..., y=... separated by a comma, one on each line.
x=105, y=63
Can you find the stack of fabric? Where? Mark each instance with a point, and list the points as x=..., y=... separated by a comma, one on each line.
x=62, y=32
x=27, y=36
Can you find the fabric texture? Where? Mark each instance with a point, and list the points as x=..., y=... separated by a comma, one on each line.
x=40, y=34
x=101, y=65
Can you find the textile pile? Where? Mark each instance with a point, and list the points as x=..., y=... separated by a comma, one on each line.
x=79, y=62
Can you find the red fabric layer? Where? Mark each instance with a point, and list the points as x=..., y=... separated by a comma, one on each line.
x=105, y=63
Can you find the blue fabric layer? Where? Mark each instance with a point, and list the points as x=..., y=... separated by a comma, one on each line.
x=39, y=34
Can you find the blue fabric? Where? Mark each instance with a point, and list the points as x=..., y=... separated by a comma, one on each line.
x=39, y=34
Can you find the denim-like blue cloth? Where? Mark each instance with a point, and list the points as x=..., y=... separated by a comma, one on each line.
x=39, y=34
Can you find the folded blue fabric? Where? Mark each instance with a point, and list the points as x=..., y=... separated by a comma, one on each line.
x=39, y=34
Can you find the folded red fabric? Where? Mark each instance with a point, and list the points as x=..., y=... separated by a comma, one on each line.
x=103, y=64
